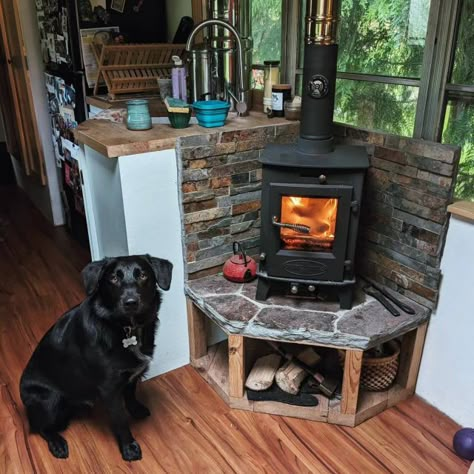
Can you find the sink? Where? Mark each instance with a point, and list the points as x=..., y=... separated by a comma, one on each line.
x=165, y=121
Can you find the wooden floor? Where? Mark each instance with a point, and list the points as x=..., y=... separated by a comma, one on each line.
x=191, y=430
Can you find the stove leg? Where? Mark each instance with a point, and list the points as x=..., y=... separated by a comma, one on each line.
x=346, y=294
x=263, y=289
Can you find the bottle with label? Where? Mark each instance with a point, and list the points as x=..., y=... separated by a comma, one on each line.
x=178, y=79
x=271, y=76
x=280, y=94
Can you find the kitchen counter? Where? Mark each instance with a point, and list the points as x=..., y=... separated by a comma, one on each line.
x=114, y=139
x=143, y=199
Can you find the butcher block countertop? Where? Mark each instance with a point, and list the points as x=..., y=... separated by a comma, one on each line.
x=114, y=139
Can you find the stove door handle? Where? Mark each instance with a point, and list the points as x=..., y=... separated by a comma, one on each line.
x=302, y=229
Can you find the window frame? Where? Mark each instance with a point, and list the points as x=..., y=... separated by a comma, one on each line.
x=434, y=88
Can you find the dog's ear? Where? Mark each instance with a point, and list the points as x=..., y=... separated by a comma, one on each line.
x=162, y=269
x=92, y=274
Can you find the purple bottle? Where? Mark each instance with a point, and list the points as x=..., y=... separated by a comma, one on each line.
x=178, y=79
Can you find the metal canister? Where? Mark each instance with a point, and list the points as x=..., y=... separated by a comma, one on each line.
x=201, y=74
x=222, y=44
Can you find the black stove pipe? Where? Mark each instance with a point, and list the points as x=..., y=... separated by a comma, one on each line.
x=319, y=77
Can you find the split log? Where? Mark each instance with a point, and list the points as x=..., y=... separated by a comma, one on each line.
x=290, y=376
x=263, y=372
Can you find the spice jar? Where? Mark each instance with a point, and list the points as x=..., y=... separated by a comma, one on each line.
x=293, y=108
x=280, y=94
x=138, y=115
x=271, y=77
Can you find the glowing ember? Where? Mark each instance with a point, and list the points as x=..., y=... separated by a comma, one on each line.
x=319, y=214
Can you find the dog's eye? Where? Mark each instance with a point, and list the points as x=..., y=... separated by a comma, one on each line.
x=114, y=279
x=143, y=276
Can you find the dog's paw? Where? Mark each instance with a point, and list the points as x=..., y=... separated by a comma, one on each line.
x=58, y=447
x=137, y=410
x=131, y=451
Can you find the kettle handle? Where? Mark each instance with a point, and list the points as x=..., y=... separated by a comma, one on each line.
x=239, y=249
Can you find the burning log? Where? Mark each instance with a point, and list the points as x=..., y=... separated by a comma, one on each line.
x=263, y=372
x=290, y=376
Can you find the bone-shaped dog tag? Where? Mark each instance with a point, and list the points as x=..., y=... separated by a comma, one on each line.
x=129, y=341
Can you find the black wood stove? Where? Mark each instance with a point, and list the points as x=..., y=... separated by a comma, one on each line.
x=312, y=191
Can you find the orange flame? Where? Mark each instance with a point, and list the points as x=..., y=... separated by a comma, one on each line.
x=319, y=214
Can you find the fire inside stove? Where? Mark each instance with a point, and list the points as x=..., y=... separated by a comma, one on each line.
x=308, y=223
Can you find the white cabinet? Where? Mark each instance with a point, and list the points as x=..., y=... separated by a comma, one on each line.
x=132, y=207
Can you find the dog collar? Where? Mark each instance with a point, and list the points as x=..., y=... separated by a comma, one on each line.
x=130, y=338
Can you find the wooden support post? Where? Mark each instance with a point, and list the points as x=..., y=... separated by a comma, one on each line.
x=197, y=331
x=351, y=381
x=236, y=366
x=410, y=357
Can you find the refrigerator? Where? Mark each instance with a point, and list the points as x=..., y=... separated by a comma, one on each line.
x=67, y=29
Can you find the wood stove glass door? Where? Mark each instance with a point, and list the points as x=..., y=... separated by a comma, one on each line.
x=310, y=225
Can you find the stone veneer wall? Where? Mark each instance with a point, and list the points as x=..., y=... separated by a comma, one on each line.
x=404, y=220
x=221, y=187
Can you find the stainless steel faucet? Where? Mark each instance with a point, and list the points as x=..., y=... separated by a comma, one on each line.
x=241, y=105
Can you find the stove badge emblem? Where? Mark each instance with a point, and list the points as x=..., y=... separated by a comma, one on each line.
x=318, y=87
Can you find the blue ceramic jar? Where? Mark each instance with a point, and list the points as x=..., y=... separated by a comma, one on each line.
x=138, y=115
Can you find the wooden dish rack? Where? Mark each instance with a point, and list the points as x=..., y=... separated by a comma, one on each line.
x=134, y=68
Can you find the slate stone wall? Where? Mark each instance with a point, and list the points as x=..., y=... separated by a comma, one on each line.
x=404, y=213
x=403, y=223
x=221, y=188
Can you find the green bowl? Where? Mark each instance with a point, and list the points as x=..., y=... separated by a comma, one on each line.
x=179, y=119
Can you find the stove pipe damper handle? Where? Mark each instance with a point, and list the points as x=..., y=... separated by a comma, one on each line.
x=319, y=77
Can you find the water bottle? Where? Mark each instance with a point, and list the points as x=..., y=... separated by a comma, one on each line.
x=178, y=79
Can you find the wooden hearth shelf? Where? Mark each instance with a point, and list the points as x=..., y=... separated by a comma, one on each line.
x=214, y=368
x=226, y=365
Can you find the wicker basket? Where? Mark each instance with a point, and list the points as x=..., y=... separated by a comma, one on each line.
x=378, y=374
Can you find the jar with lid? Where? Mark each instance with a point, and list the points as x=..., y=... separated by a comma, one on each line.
x=280, y=94
x=271, y=77
x=138, y=115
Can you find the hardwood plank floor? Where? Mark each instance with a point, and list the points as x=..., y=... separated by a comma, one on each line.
x=191, y=429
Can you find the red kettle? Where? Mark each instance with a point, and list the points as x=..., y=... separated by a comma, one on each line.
x=239, y=268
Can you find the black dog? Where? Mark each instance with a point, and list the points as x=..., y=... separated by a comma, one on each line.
x=98, y=350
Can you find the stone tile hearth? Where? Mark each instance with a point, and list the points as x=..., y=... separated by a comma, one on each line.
x=233, y=307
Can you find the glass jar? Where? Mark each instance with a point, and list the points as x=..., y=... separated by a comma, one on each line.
x=138, y=115
x=280, y=94
x=292, y=110
x=271, y=76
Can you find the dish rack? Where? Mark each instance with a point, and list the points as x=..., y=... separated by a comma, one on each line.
x=134, y=68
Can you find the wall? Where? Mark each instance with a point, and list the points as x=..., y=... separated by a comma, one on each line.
x=404, y=218
x=221, y=181
x=175, y=10
x=446, y=378
x=46, y=198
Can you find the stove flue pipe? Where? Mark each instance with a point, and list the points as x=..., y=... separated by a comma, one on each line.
x=319, y=77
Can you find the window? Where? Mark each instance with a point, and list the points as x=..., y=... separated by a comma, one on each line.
x=266, y=30
x=404, y=66
x=459, y=116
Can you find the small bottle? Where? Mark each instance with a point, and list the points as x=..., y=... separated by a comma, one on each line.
x=178, y=79
x=271, y=76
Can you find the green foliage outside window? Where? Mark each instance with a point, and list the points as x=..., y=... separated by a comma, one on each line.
x=387, y=38
x=387, y=107
x=459, y=130
x=383, y=37
x=459, y=119
x=266, y=30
